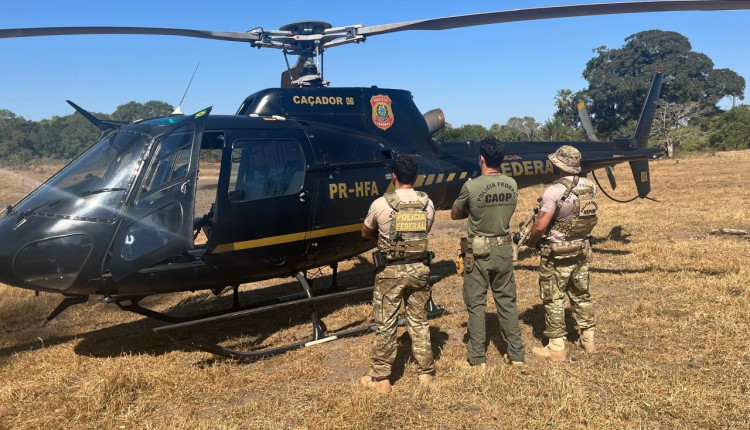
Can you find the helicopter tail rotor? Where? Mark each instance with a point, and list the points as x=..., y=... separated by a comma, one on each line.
x=583, y=113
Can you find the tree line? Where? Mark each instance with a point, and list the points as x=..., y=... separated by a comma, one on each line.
x=687, y=119
x=62, y=137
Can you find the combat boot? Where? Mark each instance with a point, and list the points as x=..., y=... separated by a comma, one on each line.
x=513, y=363
x=586, y=341
x=382, y=387
x=554, y=351
x=425, y=380
x=482, y=367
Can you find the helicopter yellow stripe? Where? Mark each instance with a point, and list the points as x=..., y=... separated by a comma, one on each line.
x=450, y=177
x=430, y=179
x=419, y=181
x=286, y=238
x=463, y=175
x=439, y=179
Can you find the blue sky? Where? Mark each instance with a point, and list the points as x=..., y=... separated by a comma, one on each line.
x=478, y=75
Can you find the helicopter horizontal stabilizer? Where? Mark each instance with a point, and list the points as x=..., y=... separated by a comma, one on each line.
x=101, y=124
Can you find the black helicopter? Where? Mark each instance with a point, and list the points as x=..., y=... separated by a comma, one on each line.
x=299, y=166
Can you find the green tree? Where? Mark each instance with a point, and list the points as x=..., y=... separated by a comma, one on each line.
x=6, y=114
x=466, y=132
x=730, y=130
x=525, y=128
x=65, y=137
x=619, y=78
x=17, y=137
x=133, y=111
x=557, y=130
x=692, y=138
x=567, y=107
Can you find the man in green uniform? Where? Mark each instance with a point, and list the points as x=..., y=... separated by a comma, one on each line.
x=566, y=218
x=401, y=220
x=489, y=202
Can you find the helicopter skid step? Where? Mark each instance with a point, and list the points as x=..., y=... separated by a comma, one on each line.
x=181, y=332
x=243, y=356
x=254, y=355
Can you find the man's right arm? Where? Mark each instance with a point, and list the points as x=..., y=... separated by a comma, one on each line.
x=368, y=233
x=460, y=209
x=544, y=218
x=370, y=225
x=457, y=213
x=539, y=228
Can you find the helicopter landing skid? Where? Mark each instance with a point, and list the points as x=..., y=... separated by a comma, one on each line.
x=180, y=332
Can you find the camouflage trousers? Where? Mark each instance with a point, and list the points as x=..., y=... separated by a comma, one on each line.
x=395, y=284
x=495, y=271
x=558, y=278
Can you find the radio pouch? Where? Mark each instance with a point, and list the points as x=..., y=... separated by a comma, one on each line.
x=480, y=246
x=564, y=250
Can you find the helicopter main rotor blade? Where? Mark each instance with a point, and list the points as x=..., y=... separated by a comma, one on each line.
x=459, y=21
x=66, y=31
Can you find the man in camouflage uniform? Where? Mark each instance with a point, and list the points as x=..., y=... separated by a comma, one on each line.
x=400, y=220
x=566, y=218
x=489, y=202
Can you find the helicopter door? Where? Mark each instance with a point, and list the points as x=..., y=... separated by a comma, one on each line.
x=267, y=212
x=159, y=223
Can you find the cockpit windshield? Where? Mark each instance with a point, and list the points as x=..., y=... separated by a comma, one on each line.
x=93, y=187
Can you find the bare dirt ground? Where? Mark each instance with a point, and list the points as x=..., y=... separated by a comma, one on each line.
x=672, y=308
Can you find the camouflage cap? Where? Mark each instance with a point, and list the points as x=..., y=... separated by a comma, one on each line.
x=567, y=159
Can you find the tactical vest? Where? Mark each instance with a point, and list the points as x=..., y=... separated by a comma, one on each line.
x=407, y=239
x=584, y=216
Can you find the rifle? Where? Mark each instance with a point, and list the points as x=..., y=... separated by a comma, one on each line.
x=525, y=229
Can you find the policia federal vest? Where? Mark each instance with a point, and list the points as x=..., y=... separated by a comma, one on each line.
x=407, y=239
x=584, y=216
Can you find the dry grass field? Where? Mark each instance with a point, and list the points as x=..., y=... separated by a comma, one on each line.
x=672, y=301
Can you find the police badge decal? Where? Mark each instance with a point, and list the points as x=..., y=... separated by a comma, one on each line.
x=382, y=114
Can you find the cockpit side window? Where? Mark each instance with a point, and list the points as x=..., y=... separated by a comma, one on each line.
x=263, y=169
x=171, y=160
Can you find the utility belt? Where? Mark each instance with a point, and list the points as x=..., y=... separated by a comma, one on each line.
x=567, y=249
x=380, y=260
x=476, y=246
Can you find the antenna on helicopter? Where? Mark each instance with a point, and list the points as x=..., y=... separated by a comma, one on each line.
x=177, y=110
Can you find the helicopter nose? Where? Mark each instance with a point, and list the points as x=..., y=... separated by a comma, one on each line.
x=31, y=257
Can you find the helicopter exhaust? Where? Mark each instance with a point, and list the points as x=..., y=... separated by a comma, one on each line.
x=435, y=120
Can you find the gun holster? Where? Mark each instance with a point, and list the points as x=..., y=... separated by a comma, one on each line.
x=379, y=259
x=428, y=259
x=469, y=262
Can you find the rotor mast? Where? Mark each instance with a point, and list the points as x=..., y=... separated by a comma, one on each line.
x=308, y=40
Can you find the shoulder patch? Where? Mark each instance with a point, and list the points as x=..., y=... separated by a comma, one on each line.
x=392, y=199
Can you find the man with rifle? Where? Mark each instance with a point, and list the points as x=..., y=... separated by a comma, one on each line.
x=561, y=230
